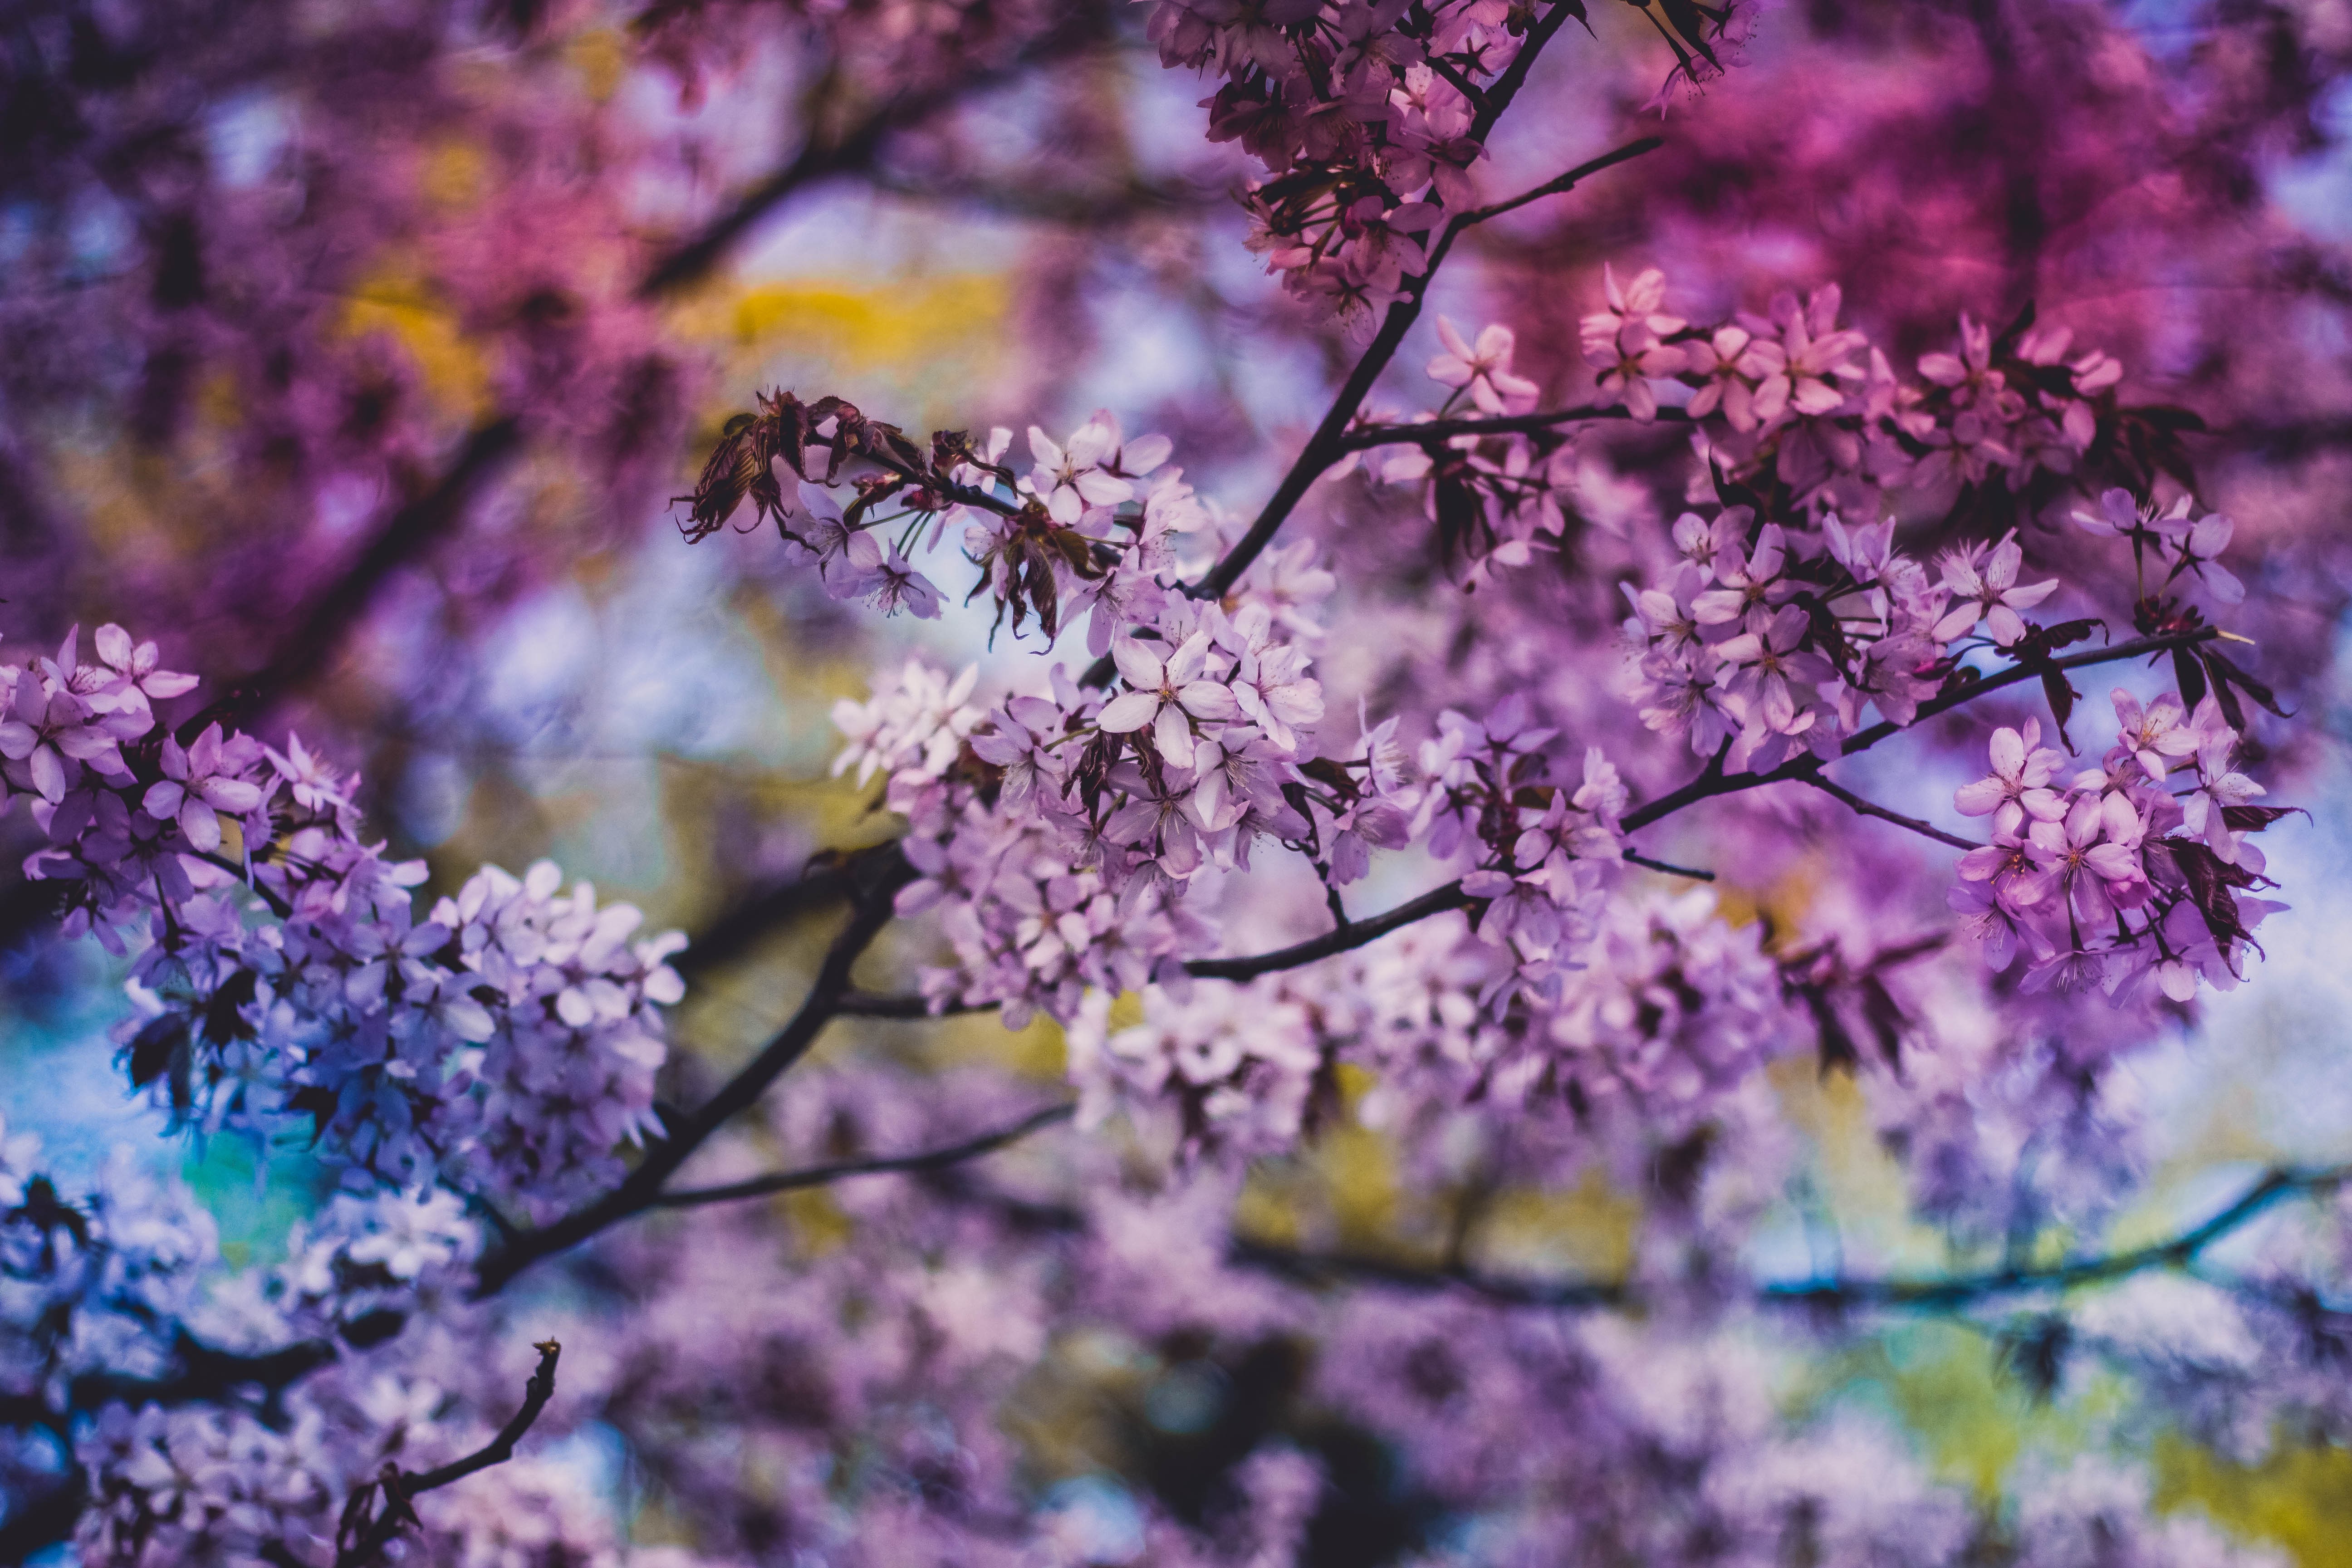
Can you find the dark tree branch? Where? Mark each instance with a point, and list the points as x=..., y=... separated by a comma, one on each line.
x=406, y=535
x=820, y=1175
x=905, y=1005
x=1710, y=781
x=1346, y=938
x=1437, y=432
x=824, y=160
x=1325, y=447
x=739, y=927
x=396, y=1489
x=1668, y=867
x=1944, y=1294
x=1328, y=445
x=1317, y=1267
x=1871, y=808
x=1961, y=1291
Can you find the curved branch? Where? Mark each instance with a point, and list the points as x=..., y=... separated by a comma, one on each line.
x=820, y=1175
x=1926, y=1294
x=1313, y=1268
x=734, y=931
x=1346, y=938
x=2177, y=1252
x=373, y=1535
x=822, y=160
x=642, y=1188
x=1709, y=783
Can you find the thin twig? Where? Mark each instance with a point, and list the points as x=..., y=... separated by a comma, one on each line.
x=1561, y=183
x=1871, y=808
x=1436, y=432
x=398, y=1488
x=1668, y=867
x=821, y=1175
x=901, y=1005
x=1354, y=934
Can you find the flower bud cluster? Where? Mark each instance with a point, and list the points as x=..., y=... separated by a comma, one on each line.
x=510, y=1040
x=1368, y=115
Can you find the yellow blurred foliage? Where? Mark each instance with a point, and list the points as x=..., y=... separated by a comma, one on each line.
x=396, y=302
x=601, y=57
x=1971, y=1417
x=1586, y=1231
x=2299, y=1497
x=454, y=173
x=905, y=322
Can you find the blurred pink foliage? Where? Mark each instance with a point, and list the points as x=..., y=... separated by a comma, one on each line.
x=1697, y=398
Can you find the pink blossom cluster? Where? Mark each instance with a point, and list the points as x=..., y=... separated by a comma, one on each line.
x=2133, y=872
x=1545, y=850
x=1793, y=394
x=1792, y=400
x=508, y=1040
x=1776, y=640
x=1669, y=1010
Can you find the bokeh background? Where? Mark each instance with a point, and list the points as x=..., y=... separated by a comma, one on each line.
x=356, y=349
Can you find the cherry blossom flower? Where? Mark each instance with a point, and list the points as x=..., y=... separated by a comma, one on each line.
x=1486, y=368
x=1990, y=593
x=2018, y=784
x=1075, y=477
x=1167, y=695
